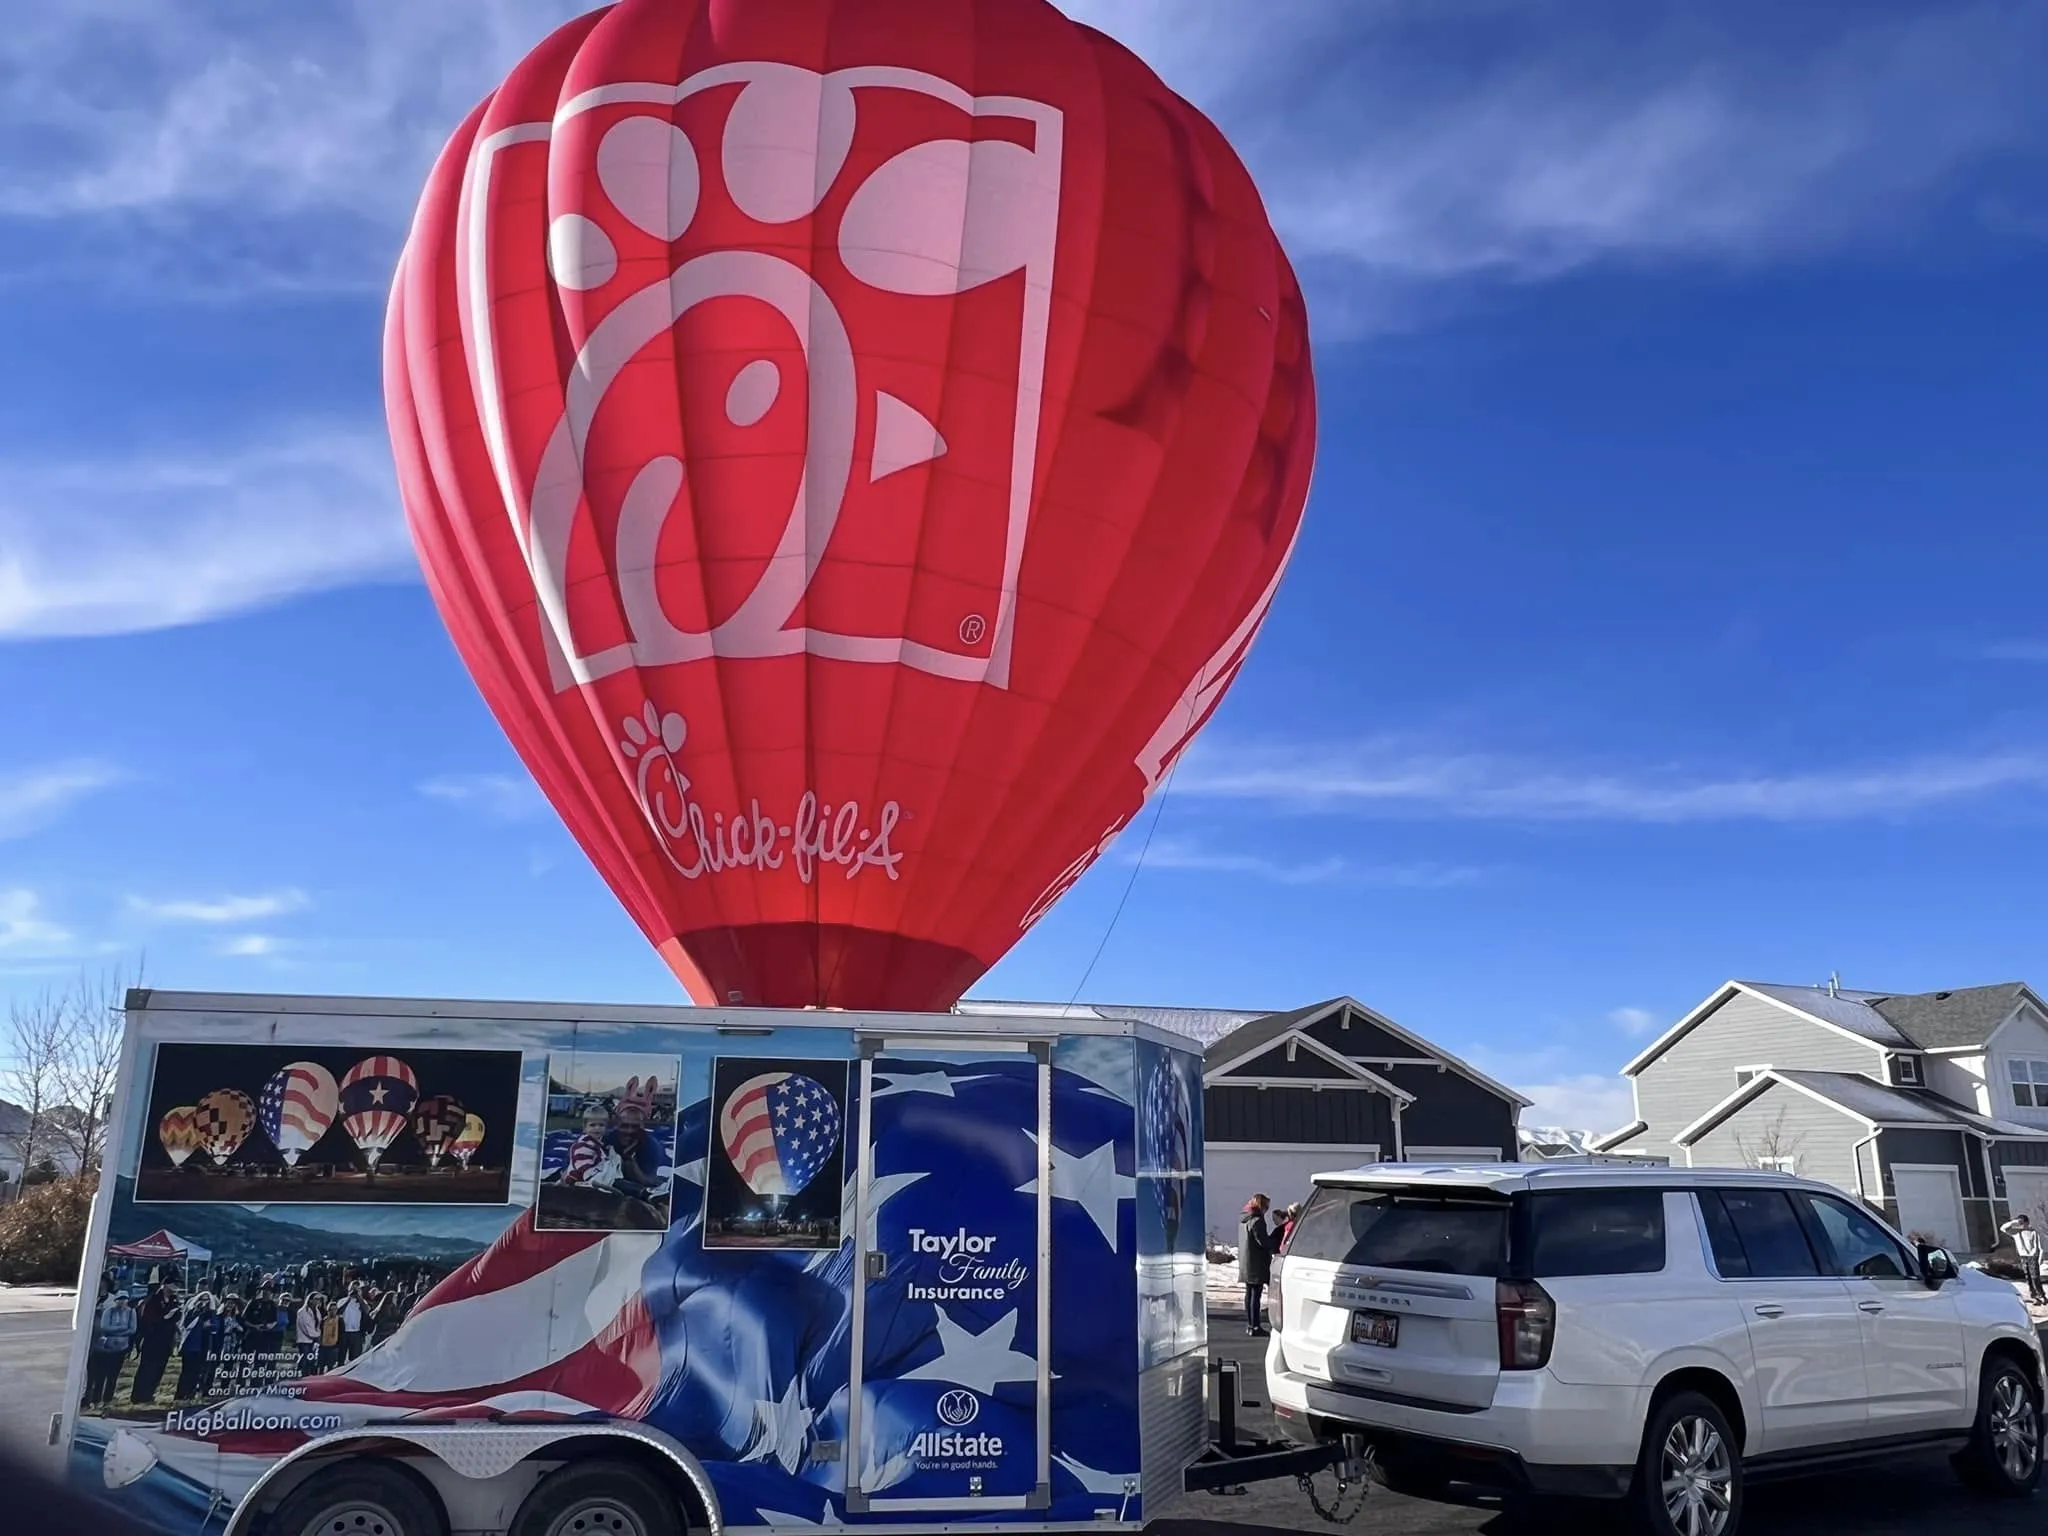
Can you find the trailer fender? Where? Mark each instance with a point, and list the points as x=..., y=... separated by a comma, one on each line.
x=480, y=1454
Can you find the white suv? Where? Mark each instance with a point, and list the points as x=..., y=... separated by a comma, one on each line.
x=1659, y=1334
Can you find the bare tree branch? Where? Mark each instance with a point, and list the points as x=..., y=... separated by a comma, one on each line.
x=63, y=1056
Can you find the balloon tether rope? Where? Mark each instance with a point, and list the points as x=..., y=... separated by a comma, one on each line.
x=1151, y=831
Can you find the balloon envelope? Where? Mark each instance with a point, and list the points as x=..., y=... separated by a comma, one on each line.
x=222, y=1121
x=377, y=1095
x=299, y=1104
x=853, y=445
x=468, y=1139
x=179, y=1133
x=437, y=1123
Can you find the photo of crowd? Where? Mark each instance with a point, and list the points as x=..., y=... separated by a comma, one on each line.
x=235, y=1334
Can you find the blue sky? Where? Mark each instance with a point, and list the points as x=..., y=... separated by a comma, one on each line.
x=1668, y=607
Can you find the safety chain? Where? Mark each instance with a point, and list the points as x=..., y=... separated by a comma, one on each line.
x=1336, y=1514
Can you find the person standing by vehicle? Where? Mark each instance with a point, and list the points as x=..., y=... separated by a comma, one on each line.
x=112, y=1337
x=156, y=1334
x=2026, y=1239
x=1254, y=1261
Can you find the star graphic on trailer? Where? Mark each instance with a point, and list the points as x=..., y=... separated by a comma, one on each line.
x=919, y=1082
x=1090, y=1181
x=781, y=1429
x=977, y=1361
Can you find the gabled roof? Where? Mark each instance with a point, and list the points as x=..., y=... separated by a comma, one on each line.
x=1847, y=1013
x=1250, y=1038
x=1947, y=1020
x=1876, y=1104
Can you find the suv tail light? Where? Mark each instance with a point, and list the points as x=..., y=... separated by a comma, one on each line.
x=1276, y=1298
x=1528, y=1323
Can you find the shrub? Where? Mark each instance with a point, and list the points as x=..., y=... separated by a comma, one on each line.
x=42, y=1234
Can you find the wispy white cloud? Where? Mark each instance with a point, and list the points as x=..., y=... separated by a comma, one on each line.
x=499, y=796
x=1398, y=144
x=1396, y=778
x=1634, y=1021
x=27, y=931
x=1565, y=1094
x=1409, y=144
x=2017, y=650
x=252, y=946
x=1182, y=853
x=98, y=547
x=33, y=797
x=220, y=909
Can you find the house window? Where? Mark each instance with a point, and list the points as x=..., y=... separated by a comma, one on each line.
x=1778, y=1164
x=2030, y=1084
x=1906, y=1070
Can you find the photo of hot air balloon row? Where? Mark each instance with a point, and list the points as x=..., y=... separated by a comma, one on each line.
x=268, y=1124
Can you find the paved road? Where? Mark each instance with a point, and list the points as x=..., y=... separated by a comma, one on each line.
x=1895, y=1500
x=35, y=1348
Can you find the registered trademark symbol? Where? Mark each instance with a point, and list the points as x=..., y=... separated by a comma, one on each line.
x=972, y=628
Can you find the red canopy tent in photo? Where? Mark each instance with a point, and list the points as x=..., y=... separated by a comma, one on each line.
x=161, y=1247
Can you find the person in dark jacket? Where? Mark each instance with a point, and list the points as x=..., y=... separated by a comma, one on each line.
x=1254, y=1260
x=155, y=1338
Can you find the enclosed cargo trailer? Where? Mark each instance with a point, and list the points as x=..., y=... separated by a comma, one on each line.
x=473, y=1263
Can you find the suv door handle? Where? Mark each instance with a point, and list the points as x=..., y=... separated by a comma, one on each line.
x=1869, y=1306
x=1771, y=1309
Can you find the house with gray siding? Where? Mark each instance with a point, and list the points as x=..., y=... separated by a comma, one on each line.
x=1288, y=1095
x=1932, y=1107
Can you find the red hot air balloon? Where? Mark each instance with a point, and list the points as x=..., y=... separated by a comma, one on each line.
x=853, y=444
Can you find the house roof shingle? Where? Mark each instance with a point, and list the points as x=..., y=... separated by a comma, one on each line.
x=1885, y=1105
x=1853, y=1011
x=1942, y=1020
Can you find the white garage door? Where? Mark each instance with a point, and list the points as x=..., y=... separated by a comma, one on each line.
x=1232, y=1174
x=1930, y=1202
x=2026, y=1191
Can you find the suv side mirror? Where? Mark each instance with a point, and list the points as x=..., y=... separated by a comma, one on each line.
x=1937, y=1266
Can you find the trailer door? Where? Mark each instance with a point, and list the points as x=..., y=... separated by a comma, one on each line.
x=952, y=1281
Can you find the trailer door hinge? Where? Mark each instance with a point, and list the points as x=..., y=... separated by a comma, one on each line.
x=878, y=1266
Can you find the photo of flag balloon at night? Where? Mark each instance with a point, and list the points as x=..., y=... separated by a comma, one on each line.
x=263, y=1124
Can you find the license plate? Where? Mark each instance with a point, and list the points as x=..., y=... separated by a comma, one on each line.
x=1381, y=1328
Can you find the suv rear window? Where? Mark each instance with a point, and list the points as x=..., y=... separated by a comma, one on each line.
x=1595, y=1232
x=1415, y=1229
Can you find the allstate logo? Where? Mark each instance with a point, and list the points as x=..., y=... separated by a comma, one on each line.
x=959, y=1407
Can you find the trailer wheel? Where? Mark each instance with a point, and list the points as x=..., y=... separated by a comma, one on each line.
x=362, y=1496
x=598, y=1498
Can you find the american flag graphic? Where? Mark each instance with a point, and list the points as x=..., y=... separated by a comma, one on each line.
x=376, y=1096
x=778, y=1130
x=585, y=1154
x=299, y=1103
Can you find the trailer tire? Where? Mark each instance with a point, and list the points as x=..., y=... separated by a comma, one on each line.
x=361, y=1496
x=599, y=1498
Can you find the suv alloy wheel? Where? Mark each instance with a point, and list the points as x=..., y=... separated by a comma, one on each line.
x=1689, y=1480
x=2004, y=1455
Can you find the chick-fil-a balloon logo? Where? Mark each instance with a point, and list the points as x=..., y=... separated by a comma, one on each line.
x=939, y=219
x=810, y=836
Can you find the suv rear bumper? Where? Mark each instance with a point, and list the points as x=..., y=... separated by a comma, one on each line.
x=1539, y=1435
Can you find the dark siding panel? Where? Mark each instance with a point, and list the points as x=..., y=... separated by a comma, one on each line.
x=1274, y=1063
x=2019, y=1154
x=1451, y=1110
x=1946, y=1147
x=1298, y=1116
x=1361, y=1040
